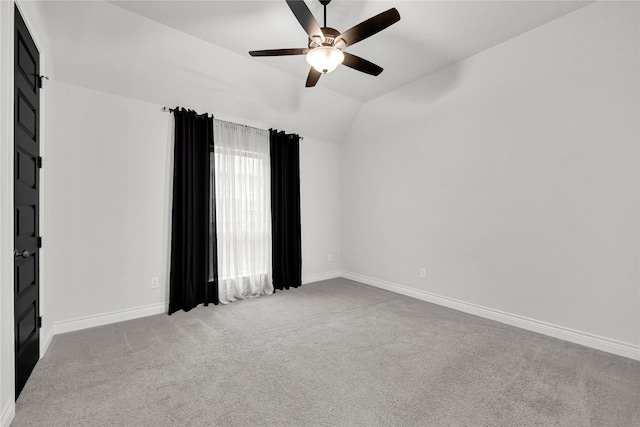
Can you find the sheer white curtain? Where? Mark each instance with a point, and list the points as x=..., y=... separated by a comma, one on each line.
x=243, y=211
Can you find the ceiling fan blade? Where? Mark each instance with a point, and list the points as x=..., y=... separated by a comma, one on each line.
x=313, y=77
x=369, y=27
x=361, y=64
x=306, y=19
x=278, y=52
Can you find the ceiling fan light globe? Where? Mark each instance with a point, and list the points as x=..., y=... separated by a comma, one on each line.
x=325, y=59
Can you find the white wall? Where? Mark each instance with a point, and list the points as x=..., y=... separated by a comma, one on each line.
x=107, y=200
x=320, y=209
x=512, y=176
x=108, y=216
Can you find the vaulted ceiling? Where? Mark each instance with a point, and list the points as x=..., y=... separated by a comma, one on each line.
x=195, y=53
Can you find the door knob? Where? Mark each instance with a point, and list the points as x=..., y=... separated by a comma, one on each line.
x=23, y=254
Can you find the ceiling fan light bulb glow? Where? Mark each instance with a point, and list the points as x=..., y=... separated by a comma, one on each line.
x=325, y=59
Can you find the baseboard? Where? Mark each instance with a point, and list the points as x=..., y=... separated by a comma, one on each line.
x=322, y=276
x=46, y=341
x=149, y=310
x=108, y=318
x=8, y=413
x=578, y=337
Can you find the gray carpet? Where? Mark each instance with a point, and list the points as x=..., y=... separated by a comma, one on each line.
x=334, y=353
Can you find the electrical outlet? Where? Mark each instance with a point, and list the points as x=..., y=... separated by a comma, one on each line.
x=423, y=273
x=155, y=282
x=330, y=258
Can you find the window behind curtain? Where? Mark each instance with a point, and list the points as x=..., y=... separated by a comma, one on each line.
x=243, y=210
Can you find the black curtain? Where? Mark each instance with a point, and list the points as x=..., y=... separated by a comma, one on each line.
x=190, y=282
x=285, y=210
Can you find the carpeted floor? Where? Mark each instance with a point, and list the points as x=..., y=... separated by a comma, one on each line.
x=333, y=353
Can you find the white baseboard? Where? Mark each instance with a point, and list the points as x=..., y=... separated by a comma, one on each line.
x=8, y=413
x=322, y=276
x=583, y=338
x=46, y=340
x=149, y=310
x=108, y=318
x=578, y=337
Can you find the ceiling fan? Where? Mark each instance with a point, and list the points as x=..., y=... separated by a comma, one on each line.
x=325, y=53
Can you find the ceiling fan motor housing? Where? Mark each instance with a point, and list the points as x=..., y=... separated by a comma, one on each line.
x=330, y=35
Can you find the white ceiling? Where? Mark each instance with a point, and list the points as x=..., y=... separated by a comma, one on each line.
x=195, y=53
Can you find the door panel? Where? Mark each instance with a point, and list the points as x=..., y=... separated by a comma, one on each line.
x=25, y=220
x=26, y=63
x=27, y=325
x=26, y=203
x=26, y=115
x=26, y=170
x=25, y=275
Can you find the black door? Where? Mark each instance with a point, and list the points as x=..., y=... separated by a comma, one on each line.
x=26, y=202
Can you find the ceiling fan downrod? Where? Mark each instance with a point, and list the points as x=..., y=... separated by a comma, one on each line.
x=324, y=3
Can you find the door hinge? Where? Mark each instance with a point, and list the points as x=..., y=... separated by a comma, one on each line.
x=39, y=162
x=41, y=80
x=39, y=242
x=39, y=321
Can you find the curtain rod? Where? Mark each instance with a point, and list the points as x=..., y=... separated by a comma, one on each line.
x=171, y=110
